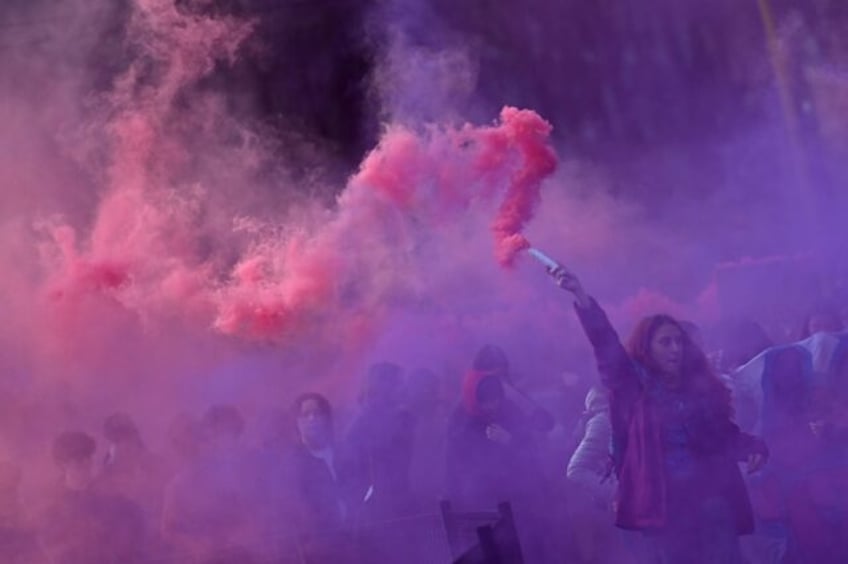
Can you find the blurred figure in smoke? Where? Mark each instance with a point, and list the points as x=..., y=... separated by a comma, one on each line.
x=82, y=525
x=185, y=442
x=740, y=341
x=129, y=468
x=380, y=441
x=492, y=457
x=430, y=415
x=808, y=429
x=492, y=359
x=772, y=393
x=18, y=540
x=675, y=445
x=214, y=504
x=321, y=472
x=823, y=319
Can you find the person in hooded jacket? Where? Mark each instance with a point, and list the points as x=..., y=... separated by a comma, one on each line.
x=492, y=457
x=674, y=443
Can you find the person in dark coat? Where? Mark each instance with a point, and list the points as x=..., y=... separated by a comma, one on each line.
x=217, y=502
x=675, y=445
x=129, y=468
x=493, y=360
x=490, y=446
x=321, y=469
x=18, y=538
x=810, y=430
x=82, y=525
x=492, y=457
x=380, y=443
x=323, y=480
x=430, y=413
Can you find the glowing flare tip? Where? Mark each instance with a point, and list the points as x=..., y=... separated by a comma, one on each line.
x=543, y=258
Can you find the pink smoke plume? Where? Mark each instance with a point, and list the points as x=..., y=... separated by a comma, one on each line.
x=324, y=275
x=529, y=133
x=409, y=185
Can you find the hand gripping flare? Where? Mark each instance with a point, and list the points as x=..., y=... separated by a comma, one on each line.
x=543, y=258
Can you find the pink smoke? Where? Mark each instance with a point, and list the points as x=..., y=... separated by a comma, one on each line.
x=406, y=187
x=529, y=133
x=325, y=276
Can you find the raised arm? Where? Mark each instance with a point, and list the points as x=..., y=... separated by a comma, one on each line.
x=618, y=372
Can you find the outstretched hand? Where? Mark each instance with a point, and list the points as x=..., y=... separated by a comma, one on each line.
x=568, y=281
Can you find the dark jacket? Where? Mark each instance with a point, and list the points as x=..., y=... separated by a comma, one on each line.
x=325, y=498
x=480, y=473
x=87, y=527
x=715, y=443
x=379, y=444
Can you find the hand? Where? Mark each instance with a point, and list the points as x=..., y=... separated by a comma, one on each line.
x=498, y=434
x=755, y=462
x=568, y=281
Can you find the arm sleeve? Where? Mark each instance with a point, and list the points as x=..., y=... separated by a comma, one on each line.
x=618, y=372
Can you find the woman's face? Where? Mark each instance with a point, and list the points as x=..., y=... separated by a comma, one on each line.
x=667, y=349
x=313, y=425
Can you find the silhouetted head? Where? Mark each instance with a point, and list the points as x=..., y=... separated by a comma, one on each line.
x=740, y=341
x=314, y=420
x=73, y=452
x=120, y=429
x=222, y=425
x=383, y=386
x=483, y=394
x=423, y=390
x=492, y=359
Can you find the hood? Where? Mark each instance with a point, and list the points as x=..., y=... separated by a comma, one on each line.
x=473, y=380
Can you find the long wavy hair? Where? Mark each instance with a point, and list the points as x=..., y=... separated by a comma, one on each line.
x=699, y=377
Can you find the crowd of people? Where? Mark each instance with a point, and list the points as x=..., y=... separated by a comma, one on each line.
x=650, y=473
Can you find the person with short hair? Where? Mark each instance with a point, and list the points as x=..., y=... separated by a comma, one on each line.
x=82, y=524
x=380, y=443
x=216, y=502
x=129, y=468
